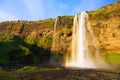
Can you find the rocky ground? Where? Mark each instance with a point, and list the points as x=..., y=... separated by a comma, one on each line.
x=58, y=73
x=67, y=74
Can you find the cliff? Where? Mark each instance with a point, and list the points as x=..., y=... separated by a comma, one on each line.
x=106, y=22
x=31, y=41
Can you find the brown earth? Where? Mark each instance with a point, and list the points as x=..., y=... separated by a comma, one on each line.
x=68, y=74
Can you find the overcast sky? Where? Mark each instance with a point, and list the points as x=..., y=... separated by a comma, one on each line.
x=43, y=9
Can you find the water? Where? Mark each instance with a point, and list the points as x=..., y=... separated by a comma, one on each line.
x=85, y=53
x=54, y=35
x=55, y=45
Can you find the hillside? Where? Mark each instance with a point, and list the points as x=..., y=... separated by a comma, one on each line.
x=106, y=25
x=29, y=42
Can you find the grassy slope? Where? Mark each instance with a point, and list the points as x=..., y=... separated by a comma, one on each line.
x=112, y=58
x=105, y=13
x=9, y=45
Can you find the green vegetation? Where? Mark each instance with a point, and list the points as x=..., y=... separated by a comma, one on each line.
x=45, y=42
x=7, y=45
x=12, y=49
x=22, y=73
x=17, y=43
x=99, y=14
x=51, y=25
x=36, y=69
x=104, y=13
x=112, y=58
x=25, y=50
x=6, y=38
x=30, y=41
x=57, y=73
x=16, y=50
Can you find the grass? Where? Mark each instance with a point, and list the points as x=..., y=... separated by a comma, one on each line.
x=37, y=69
x=99, y=14
x=13, y=45
x=45, y=42
x=30, y=41
x=6, y=38
x=56, y=73
x=14, y=49
x=7, y=45
x=25, y=51
x=105, y=13
x=22, y=74
x=112, y=58
x=51, y=24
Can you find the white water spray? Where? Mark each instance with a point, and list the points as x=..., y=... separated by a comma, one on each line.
x=81, y=55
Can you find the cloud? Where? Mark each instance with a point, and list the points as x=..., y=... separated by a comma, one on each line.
x=4, y=16
x=35, y=8
x=63, y=5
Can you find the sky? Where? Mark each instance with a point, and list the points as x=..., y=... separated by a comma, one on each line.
x=42, y=9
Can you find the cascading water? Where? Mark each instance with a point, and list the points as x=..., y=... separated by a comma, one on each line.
x=54, y=42
x=54, y=35
x=82, y=39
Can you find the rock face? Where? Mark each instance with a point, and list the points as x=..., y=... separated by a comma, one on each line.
x=34, y=38
x=62, y=34
x=106, y=23
x=25, y=41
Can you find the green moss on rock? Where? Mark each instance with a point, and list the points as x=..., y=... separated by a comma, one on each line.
x=45, y=42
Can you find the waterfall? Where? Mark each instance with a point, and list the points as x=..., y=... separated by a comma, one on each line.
x=85, y=53
x=54, y=35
